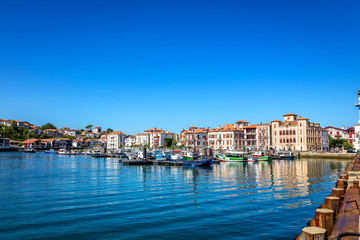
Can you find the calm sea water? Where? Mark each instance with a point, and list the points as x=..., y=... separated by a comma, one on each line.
x=77, y=197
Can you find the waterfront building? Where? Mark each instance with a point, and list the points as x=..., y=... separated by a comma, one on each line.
x=295, y=133
x=115, y=140
x=250, y=136
x=33, y=143
x=357, y=126
x=48, y=143
x=324, y=139
x=157, y=136
x=76, y=143
x=14, y=144
x=62, y=143
x=336, y=132
x=142, y=139
x=264, y=136
x=130, y=141
x=227, y=137
x=196, y=137
x=91, y=143
x=4, y=143
x=350, y=135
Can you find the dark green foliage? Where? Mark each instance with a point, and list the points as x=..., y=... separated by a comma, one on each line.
x=339, y=143
x=47, y=126
x=109, y=130
x=169, y=142
x=16, y=133
x=88, y=127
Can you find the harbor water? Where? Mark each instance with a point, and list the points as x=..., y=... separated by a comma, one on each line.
x=45, y=196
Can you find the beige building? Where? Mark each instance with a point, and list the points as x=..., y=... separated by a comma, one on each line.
x=196, y=137
x=115, y=140
x=228, y=137
x=295, y=133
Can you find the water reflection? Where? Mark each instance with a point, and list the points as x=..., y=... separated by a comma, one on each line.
x=61, y=196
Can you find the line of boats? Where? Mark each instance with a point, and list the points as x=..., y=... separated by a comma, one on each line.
x=233, y=156
x=185, y=157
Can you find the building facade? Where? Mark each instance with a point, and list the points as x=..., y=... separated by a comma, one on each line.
x=295, y=133
x=115, y=140
x=264, y=136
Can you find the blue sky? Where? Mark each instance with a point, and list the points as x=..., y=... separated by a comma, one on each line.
x=134, y=65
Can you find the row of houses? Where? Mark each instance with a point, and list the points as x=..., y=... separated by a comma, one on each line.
x=58, y=143
x=293, y=133
x=151, y=138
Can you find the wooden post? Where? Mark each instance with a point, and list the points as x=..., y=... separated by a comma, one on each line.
x=313, y=233
x=337, y=192
x=340, y=183
x=324, y=218
x=333, y=203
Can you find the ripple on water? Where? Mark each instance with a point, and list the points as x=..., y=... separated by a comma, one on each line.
x=60, y=197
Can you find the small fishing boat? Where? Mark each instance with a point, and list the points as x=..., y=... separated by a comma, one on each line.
x=63, y=151
x=51, y=151
x=261, y=157
x=30, y=150
x=194, y=159
x=98, y=153
x=286, y=155
x=175, y=157
x=233, y=156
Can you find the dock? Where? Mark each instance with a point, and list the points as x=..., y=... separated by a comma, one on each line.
x=339, y=216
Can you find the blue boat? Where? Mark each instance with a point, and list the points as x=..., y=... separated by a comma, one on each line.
x=193, y=159
x=50, y=151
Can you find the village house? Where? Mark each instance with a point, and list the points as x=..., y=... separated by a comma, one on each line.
x=250, y=136
x=33, y=143
x=324, y=139
x=115, y=140
x=142, y=139
x=227, y=137
x=4, y=143
x=53, y=132
x=48, y=143
x=130, y=141
x=91, y=143
x=97, y=130
x=264, y=136
x=295, y=134
x=71, y=132
x=103, y=139
x=336, y=133
x=158, y=136
x=77, y=143
x=196, y=137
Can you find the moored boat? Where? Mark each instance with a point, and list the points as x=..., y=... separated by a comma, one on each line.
x=261, y=157
x=194, y=159
x=233, y=156
x=63, y=151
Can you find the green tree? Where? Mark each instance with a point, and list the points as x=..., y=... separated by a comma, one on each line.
x=347, y=145
x=89, y=127
x=109, y=130
x=168, y=142
x=47, y=126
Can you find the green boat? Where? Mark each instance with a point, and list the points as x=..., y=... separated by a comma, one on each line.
x=232, y=157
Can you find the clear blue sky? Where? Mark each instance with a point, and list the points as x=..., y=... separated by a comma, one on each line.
x=134, y=65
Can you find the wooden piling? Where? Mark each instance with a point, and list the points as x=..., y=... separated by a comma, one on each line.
x=313, y=233
x=324, y=218
x=332, y=203
x=337, y=192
